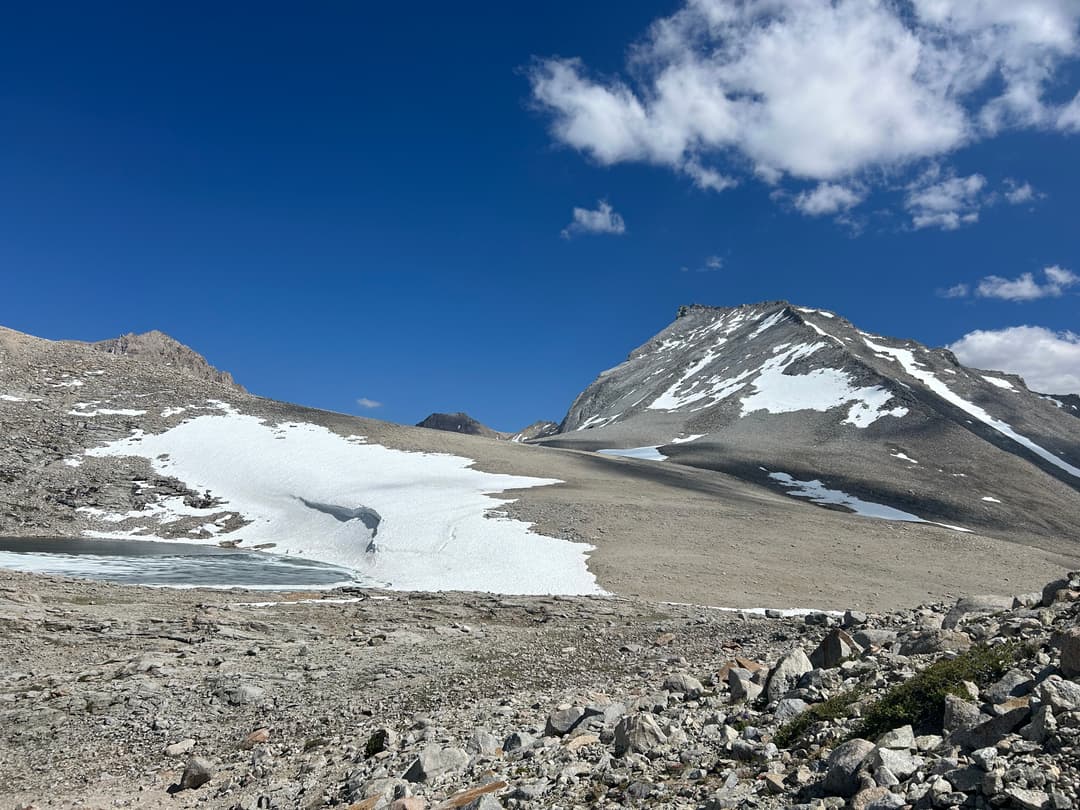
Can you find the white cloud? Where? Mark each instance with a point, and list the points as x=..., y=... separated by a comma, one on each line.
x=364, y=402
x=1018, y=193
x=945, y=204
x=1048, y=361
x=1025, y=287
x=955, y=291
x=823, y=90
x=603, y=220
x=828, y=198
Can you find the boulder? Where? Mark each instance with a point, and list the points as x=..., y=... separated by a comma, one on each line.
x=834, y=649
x=970, y=606
x=434, y=761
x=899, y=762
x=638, y=733
x=683, y=684
x=785, y=675
x=564, y=720
x=901, y=739
x=1059, y=694
x=1068, y=642
x=842, y=777
x=197, y=773
x=790, y=708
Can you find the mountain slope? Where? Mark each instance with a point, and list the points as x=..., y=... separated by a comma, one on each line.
x=101, y=445
x=778, y=395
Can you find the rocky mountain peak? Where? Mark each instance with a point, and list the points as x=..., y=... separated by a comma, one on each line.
x=458, y=423
x=159, y=347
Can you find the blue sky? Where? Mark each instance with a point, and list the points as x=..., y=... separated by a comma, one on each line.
x=356, y=203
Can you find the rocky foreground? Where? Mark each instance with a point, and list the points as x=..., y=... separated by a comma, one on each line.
x=130, y=697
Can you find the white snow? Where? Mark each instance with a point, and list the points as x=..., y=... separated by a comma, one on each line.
x=97, y=373
x=990, y=499
x=823, y=313
x=651, y=453
x=907, y=359
x=819, y=390
x=816, y=492
x=690, y=438
x=67, y=384
x=596, y=420
x=1057, y=402
x=73, y=462
x=11, y=398
x=165, y=414
x=1000, y=383
x=434, y=534
x=77, y=411
x=903, y=457
x=768, y=323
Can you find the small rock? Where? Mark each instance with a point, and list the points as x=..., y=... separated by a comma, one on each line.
x=178, y=749
x=197, y=773
x=680, y=683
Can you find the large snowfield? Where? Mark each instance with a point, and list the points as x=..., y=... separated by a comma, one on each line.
x=299, y=484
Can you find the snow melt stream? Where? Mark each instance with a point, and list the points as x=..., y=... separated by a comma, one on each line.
x=435, y=532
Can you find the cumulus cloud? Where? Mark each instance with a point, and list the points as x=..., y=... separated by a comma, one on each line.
x=364, y=402
x=1026, y=287
x=602, y=220
x=820, y=90
x=828, y=198
x=1048, y=361
x=712, y=264
x=945, y=203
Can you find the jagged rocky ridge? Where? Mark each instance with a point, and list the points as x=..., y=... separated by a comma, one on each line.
x=463, y=423
x=786, y=396
x=425, y=702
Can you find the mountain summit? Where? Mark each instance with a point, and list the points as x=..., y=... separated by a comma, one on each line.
x=802, y=400
x=158, y=347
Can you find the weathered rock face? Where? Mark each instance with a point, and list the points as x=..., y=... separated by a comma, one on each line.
x=779, y=394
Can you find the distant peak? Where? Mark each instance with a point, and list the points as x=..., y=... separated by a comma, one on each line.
x=159, y=347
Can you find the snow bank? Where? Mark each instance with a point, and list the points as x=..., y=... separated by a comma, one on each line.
x=651, y=453
x=434, y=532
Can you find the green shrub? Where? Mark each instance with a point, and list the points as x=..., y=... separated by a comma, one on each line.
x=831, y=709
x=920, y=700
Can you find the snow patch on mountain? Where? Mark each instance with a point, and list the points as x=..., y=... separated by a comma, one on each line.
x=650, y=453
x=817, y=492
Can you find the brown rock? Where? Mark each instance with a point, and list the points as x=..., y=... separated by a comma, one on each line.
x=472, y=794
x=257, y=737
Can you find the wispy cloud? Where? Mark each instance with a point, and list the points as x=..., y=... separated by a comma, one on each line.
x=827, y=199
x=945, y=202
x=604, y=219
x=845, y=93
x=1048, y=361
x=712, y=264
x=364, y=402
x=1018, y=193
x=1025, y=287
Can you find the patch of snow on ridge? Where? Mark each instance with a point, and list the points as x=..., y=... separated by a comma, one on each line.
x=692, y=437
x=990, y=499
x=79, y=406
x=434, y=535
x=906, y=358
x=816, y=492
x=651, y=453
x=903, y=457
x=820, y=390
x=768, y=323
x=1000, y=383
